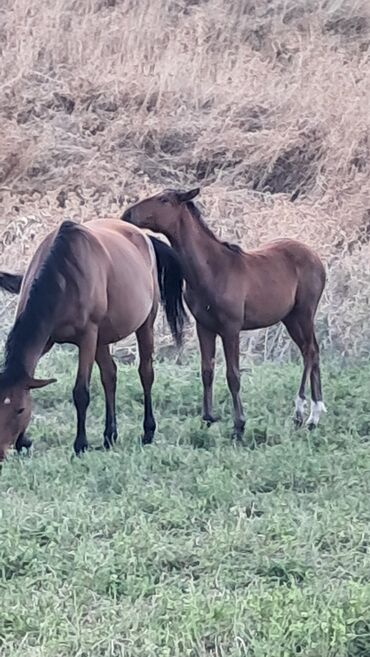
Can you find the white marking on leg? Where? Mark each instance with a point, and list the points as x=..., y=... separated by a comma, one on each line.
x=316, y=409
x=300, y=404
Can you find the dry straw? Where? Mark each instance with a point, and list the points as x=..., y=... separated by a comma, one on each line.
x=265, y=103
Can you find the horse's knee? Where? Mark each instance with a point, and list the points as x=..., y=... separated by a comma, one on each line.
x=233, y=379
x=146, y=372
x=316, y=357
x=311, y=351
x=207, y=376
x=112, y=373
x=81, y=395
x=108, y=374
x=110, y=378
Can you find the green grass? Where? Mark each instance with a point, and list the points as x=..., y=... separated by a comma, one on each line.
x=190, y=547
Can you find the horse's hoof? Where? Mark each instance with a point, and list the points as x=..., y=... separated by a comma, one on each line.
x=210, y=419
x=81, y=449
x=311, y=426
x=238, y=431
x=298, y=421
x=237, y=435
x=147, y=439
x=110, y=441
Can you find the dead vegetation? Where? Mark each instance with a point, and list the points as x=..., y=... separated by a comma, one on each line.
x=263, y=102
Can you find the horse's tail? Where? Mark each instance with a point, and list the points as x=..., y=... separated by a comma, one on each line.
x=11, y=282
x=170, y=279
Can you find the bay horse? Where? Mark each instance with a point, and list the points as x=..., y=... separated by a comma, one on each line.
x=89, y=285
x=229, y=290
x=10, y=282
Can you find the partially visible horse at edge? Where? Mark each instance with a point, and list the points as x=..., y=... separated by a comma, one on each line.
x=11, y=282
x=229, y=290
x=90, y=285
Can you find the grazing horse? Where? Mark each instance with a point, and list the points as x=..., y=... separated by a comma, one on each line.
x=89, y=285
x=229, y=290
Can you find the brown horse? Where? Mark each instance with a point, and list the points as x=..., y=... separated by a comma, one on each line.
x=10, y=282
x=89, y=285
x=229, y=290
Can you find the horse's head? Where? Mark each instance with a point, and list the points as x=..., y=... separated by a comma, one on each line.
x=160, y=213
x=15, y=408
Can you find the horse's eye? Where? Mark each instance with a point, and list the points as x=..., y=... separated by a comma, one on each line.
x=20, y=411
x=164, y=200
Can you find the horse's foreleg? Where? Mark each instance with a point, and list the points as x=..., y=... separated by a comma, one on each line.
x=231, y=349
x=108, y=375
x=146, y=347
x=81, y=395
x=207, y=343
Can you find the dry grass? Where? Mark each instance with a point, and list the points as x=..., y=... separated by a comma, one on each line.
x=264, y=103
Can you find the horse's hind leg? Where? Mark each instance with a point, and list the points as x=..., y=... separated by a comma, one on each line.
x=81, y=395
x=108, y=375
x=301, y=330
x=301, y=338
x=146, y=347
x=317, y=404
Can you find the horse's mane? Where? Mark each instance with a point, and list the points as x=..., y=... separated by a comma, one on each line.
x=44, y=297
x=195, y=212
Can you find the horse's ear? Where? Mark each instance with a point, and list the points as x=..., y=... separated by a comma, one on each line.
x=32, y=383
x=184, y=197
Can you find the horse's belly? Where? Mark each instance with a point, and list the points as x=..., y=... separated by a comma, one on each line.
x=115, y=327
x=269, y=313
x=214, y=317
x=127, y=311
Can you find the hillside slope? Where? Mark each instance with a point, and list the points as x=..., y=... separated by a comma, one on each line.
x=263, y=103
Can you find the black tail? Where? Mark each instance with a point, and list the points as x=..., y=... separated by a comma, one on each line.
x=11, y=282
x=170, y=279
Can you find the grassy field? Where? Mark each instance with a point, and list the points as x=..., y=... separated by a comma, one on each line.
x=193, y=546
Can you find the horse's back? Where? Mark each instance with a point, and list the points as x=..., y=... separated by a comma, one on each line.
x=121, y=236
x=277, y=276
x=291, y=248
x=296, y=258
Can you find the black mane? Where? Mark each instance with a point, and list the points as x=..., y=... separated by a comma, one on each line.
x=195, y=212
x=43, y=299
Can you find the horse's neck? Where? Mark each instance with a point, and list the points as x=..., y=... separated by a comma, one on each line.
x=30, y=354
x=33, y=355
x=200, y=252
